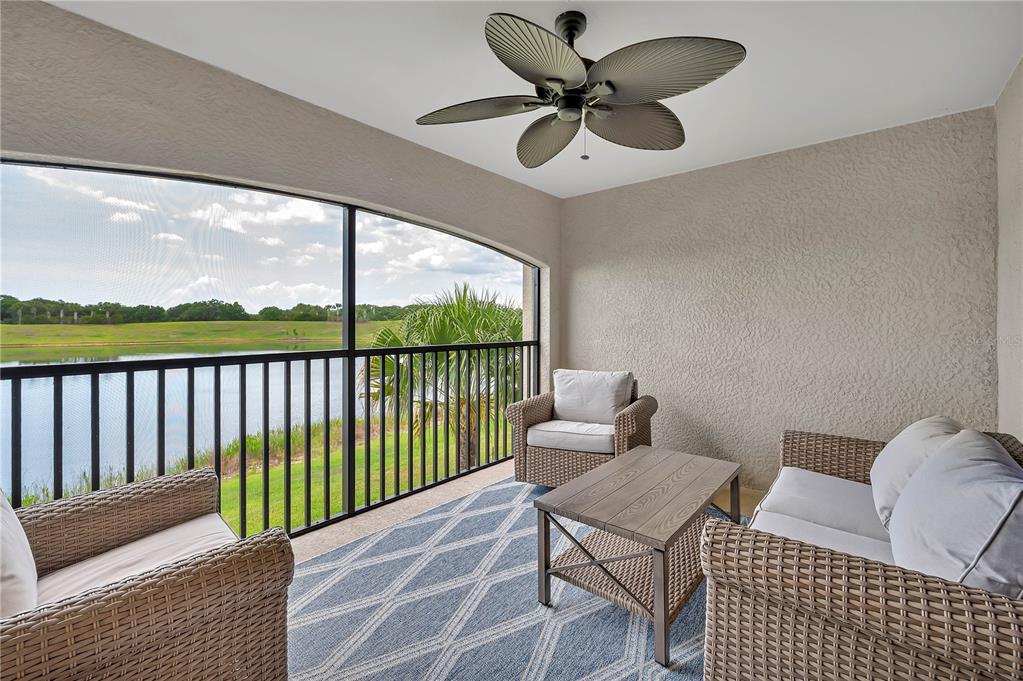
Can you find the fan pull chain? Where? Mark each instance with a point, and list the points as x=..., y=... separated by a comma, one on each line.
x=585, y=156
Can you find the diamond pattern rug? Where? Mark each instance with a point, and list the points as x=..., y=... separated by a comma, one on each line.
x=451, y=594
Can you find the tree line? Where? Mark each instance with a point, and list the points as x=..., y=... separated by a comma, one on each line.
x=44, y=311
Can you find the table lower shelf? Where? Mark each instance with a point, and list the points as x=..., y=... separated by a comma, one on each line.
x=636, y=574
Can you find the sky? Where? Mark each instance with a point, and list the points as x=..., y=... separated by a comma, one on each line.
x=87, y=237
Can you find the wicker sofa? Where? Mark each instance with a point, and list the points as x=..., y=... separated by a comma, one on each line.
x=217, y=614
x=550, y=466
x=778, y=608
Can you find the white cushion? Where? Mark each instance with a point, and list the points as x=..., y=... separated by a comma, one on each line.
x=905, y=452
x=960, y=517
x=819, y=535
x=181, y=541
x=590, y=396
x=824, y=500
x=597, y=438
x=18, y=575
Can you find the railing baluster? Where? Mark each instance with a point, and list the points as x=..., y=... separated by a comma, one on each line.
x=478, y=385
x=411, y=396
x=396, y=399
x=504, y=402
x=266, y=445
x=242, y=464
x=470, y=401
x=458, y=411
x=490, y=404
x=447, y=414
x=422, y=419
x=15, y=442
x=382, y=424
x=326, y=438
x=216, y=421
x=58, y=437
x=436, y=361
x=522, y=371
x=514, y=360
x=190, y=425
x=129, y=426
x=367, y=423
x=287, y=445
x=161, y=421
x=307, y=442
x=94, y=421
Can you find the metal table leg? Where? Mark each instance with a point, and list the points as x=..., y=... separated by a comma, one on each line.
x=735, y=499
x=662, y=627
x=543, y=551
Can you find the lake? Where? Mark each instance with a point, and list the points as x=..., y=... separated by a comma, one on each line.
x=37, y=415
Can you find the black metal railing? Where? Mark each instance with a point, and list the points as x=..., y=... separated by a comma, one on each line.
x=299, y=439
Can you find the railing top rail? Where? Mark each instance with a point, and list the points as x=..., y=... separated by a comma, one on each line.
x=120, y=366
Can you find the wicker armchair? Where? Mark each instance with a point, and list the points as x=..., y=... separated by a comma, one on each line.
x=779, y=608
x=221, y=614
x=553, y=467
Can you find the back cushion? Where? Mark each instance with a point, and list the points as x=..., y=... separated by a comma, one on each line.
x=17, y=566
x=591, y=396
x=960, y=516
x=905, y=452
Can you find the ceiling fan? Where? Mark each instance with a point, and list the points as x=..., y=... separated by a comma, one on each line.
x=617, y=95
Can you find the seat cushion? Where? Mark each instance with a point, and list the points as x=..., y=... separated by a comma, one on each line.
x=17, y=566
x=591, y=396
x=819, y=535
x=960, y=516
x=824, y=500
x=181, y=541
x=895, y=464
x=597, y=438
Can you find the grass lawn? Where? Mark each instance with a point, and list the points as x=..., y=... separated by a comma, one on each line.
x=230, y=489
x=56, y=342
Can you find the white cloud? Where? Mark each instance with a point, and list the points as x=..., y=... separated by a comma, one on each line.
x=203, y=282
x=269, y=261
x=306, y=293
x=271, y=241
x=249, y=198
x=302, y=260
x=215, y=215
x=267, y=209
x=211, y=256
x=53, y=177
x=367, y=247
x=130, y=216
x=168, y=237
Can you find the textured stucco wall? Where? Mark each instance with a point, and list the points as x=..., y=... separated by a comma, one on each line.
x=75, y=90
x=845, y=287
x=1009, y=117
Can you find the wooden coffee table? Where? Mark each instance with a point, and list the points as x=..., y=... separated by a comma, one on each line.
x=644, y=554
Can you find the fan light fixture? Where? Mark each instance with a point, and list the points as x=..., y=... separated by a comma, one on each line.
x=617, y=96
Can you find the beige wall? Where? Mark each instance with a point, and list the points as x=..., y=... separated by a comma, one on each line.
x=845, y=287
x=73, y=89
x=1009, y=116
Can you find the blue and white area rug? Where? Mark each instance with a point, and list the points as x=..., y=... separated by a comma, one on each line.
x=451, y=594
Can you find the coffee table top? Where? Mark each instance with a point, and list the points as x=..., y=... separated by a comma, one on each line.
x=649, y=495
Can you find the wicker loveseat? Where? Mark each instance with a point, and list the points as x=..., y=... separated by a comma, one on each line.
x=217, y=614
x=778, y=608
x=552, y=466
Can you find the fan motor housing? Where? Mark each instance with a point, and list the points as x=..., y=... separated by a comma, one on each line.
x=570, y=107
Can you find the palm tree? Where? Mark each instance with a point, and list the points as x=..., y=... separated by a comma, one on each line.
x=460, y=316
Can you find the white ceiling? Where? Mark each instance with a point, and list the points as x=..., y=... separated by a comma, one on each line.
x=815, y=70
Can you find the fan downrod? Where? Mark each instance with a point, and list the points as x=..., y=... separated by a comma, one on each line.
x=570, y=25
